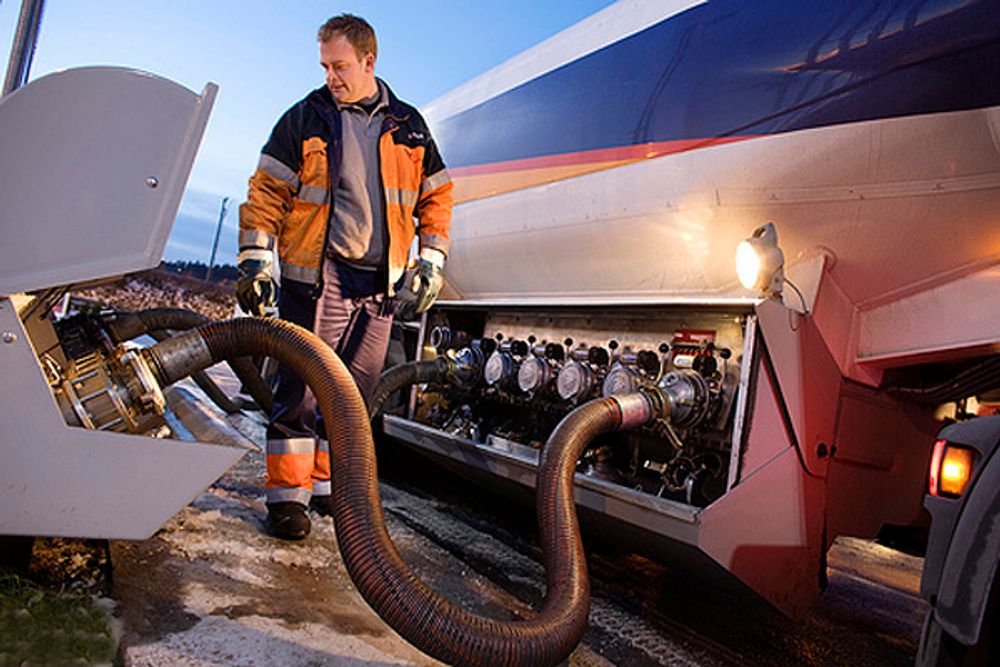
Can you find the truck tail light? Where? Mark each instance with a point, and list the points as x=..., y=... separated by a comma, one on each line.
x=951, y=469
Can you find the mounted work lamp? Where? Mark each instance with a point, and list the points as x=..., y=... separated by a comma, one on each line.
x=760, y=262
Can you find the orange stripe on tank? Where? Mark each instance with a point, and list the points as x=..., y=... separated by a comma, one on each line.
x=485, y=180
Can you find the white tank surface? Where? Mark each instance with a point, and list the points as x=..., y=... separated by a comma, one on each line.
x=621, y=169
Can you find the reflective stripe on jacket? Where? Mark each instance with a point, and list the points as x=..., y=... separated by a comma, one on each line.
x=288, y=204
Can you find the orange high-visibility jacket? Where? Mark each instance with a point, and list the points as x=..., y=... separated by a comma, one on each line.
x=289, y=202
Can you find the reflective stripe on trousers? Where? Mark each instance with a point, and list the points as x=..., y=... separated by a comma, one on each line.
x=355, y=318
x=296, y=469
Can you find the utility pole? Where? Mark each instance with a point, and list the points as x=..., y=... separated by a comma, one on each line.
x=22, y=50
x=215, y=243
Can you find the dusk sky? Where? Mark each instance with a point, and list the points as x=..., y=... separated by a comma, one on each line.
x=263, y=55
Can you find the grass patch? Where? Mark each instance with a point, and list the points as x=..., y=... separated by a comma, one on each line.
x=46, y=627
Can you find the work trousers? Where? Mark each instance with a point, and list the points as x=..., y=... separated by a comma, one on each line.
x=353, y=315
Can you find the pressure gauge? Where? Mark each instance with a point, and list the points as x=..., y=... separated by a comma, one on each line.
x=501, y=370
x=574, y=382
x=621, y=380
x=534, y=375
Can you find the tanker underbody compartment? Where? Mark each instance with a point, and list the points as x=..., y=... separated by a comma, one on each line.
x=758, y=455
x=535, y=368
x=675, y=487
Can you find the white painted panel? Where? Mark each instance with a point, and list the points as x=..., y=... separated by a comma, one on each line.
x=898, y=205
x=76, y=151
x=959, y=315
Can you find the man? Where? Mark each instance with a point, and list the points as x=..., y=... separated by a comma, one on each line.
x=338, y=185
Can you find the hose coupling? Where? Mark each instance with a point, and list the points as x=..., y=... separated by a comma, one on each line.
x=465, y=367
x=658, y=400
x=178, y=357
x=637, y=409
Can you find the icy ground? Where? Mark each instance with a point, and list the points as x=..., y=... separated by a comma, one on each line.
x=212, y=589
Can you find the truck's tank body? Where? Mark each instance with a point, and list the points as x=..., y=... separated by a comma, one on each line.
x=626, y=157
x=603, y=181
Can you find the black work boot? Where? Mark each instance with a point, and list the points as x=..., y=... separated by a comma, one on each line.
x=322, y=505
x=287, y=521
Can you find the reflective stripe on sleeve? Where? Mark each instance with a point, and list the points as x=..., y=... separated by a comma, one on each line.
x=314, y=195
x=256, y=239
x=400, y=197
x=288, y=495
x=323, y=488
x=290, y=446
x=300, y=273
x=278, y=169
x=434, y=181
x=434, y=241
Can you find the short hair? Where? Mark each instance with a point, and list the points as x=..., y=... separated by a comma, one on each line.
x=357, y=31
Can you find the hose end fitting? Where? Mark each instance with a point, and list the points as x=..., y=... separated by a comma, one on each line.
x=178, y=357
x=465, y=367
x=637, y=409
x=658, y=400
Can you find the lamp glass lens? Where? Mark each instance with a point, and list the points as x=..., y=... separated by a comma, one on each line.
x=747, y=265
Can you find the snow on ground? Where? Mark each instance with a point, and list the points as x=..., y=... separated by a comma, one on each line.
x=211, y=588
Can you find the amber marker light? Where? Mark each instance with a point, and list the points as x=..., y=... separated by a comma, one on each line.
x=951, y=469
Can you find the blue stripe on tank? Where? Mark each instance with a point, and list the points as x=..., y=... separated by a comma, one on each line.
x=744, y=67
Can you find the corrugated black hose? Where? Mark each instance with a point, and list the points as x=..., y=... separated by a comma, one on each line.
x=405, y=375
x=127, y=326
x=205, y=383
x=424, y=618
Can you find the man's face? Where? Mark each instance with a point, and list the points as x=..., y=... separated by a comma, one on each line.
x=348, y=77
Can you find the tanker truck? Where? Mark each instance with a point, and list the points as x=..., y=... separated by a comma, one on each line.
x=604, y=180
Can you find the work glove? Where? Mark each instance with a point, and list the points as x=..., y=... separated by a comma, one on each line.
x=256, y=289
x=421, y=284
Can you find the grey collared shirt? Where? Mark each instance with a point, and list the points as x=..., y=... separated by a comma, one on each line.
x=358, y=233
